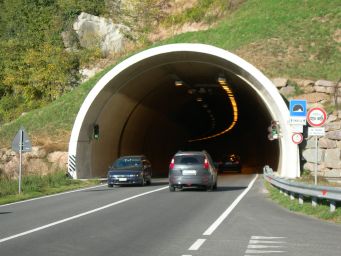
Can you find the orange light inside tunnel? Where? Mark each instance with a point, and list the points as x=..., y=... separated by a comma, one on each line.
x=234, y=111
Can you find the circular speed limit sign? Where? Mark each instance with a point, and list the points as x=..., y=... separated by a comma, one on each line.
x=316, y=117
x=297, y=138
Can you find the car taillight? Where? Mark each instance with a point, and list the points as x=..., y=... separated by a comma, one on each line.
x=206, y=164
x=171, y=165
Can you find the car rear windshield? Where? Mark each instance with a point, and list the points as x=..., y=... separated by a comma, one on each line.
x=189, y=159
x=127, y=162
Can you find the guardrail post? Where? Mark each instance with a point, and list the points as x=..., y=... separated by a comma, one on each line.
x=292, y=196
x=300, y=199
x=332, y=206
x=314, y=201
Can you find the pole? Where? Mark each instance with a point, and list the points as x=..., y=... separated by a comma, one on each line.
x=20, y=157
x=316, y=160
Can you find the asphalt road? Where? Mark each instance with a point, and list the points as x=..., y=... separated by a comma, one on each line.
x=153, y=221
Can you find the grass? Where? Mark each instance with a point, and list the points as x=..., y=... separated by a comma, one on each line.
x=321, y=211
x=37, y=185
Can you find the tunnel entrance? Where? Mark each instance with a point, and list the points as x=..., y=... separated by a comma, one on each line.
x=181, y=97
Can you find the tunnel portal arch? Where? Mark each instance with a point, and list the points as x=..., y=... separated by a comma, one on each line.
x=121, y=107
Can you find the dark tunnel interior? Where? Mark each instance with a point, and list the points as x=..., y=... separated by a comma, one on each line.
x=186, y=102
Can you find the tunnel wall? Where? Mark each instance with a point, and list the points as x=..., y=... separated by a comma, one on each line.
x=89, y=157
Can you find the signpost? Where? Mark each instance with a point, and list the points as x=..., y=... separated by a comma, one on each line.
x=297, y=138
x=20, y=144
x=316, y=117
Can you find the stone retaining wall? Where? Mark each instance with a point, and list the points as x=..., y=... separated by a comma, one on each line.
x=36, y=162
x=318, y=93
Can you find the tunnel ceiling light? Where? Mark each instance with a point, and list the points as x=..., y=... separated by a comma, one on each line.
x=179, y=83
x=191, y=91
x=199, y=99
x=222, y=80
x=230, y=96
x=205, y=106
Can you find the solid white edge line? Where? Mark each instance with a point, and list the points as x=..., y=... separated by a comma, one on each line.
x=226, y=213
x=78, y=215
x=196, y=245
x=57, y=194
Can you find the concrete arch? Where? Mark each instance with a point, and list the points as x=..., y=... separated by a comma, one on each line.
x=123, y=96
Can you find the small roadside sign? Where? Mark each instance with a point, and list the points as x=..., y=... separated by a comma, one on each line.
x=297, y=138
x=297, y=120
x=316, y=117
x=21, y=142
x=296, y=128
x=316, y=131
x=298, y=108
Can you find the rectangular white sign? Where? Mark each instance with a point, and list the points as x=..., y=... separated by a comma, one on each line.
x=297, y=120
x=316, y=131
x=296, y=128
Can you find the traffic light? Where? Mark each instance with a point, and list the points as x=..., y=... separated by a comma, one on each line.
x=96, y=132
x=273, y=130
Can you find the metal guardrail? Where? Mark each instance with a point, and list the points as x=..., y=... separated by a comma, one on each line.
x=301, y=190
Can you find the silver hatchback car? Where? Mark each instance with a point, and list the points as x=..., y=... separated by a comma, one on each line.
x=192, y=169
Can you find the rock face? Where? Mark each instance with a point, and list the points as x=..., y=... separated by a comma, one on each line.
x=38, y=161
x=94, y=32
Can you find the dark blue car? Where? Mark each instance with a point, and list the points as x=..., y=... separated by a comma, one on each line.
x=130, y=170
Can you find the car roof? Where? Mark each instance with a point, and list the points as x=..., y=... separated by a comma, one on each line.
x=190, y=153
x=133, y=156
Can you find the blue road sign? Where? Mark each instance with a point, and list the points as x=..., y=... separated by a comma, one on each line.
x=298, y=108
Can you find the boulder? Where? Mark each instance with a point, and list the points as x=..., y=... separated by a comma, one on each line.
x=334, y=135
x=331, y=118
x=287, y=91
x=333, y=126
x=36, y=166
x=327, y=143
x=98, y=32
x=324, y=83
x=37, y=152
x=311, y=167
x=332, y=173
x=280, y=82
x=310, y=155
x=60, y=158
x=332, y=158
x=320, y=89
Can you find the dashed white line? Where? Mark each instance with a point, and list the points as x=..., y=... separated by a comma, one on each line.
x=196, y=245
x=79, y=215
x=226, y=213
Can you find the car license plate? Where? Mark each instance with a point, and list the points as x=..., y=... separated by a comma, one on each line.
x=122, y=179
x=189, y=172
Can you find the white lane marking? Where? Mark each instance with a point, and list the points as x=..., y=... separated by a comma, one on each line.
x=262, y=245
x=258, y=251
x=79, y=215
x=58, y=194
x=226, y=213
x=256, y=246
x=196, y=245
x=267, y=237
x=266, y=242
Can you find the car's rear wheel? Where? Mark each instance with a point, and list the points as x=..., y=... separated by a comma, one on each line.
x=171, y=188
x=110, y=185
x=149, y=182
x=215, y=186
